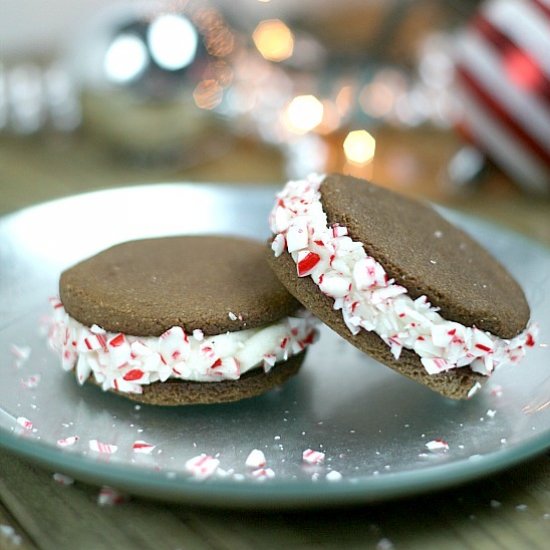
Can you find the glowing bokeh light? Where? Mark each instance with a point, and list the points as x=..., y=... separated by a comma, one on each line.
x=331, y=118
x=173, y=41
x=359, y=147
x=303, y=114
x=274, y=40
x=377, y=99
x=126, y=58
x=208, y=94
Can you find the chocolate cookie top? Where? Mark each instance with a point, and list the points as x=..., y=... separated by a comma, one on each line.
x=142, y=288
x=427, y=255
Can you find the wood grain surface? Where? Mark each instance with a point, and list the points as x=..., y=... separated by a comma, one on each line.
x=510, y=510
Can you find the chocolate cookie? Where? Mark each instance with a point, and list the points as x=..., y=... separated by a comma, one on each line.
x=180, y=320
x=399, y=282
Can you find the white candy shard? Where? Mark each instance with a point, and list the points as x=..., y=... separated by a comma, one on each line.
x=67, y=441
x=256, y=459
x=437, y=445
x=333, y=475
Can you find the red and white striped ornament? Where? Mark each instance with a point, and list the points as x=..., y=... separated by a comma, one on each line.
x=503, y=82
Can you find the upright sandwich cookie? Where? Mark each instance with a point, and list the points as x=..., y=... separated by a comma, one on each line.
x=399, y=282
x=180, y=320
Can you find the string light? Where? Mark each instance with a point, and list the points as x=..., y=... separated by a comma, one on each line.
x=303, y=114
x=274, y=40
x=359, y=147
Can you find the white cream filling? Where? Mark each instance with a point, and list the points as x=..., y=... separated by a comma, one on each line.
x=369, y=300
x=126, y=363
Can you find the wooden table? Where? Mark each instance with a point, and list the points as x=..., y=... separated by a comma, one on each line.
x=510, y=510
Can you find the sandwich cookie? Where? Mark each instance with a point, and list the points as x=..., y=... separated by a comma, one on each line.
x=180, y=320
x=399, y=282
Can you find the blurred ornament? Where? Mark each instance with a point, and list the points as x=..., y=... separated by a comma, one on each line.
x=503, y=83
x=466, y=166
x=34, y=98
x=150, y=76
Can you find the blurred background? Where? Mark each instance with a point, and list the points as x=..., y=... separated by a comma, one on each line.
x=443, y=99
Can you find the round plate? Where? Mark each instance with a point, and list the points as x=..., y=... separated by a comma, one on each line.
x=372, y=424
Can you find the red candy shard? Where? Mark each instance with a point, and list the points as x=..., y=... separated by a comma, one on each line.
x=483, y=347
x=134, y=374
x=306, y=265
x=529, y=341
x=118, y=340
x=217, y=363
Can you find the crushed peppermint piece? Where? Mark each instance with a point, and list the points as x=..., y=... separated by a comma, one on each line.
x=62, y=479
x=491, y=413
x=108, y=496
x=436, y=445
x=474, y=389
x=31, y=382
x=202, y=466
x=8, y=532
x=384, y=544
x=333, y=475
x=142, y=447
x=67, y=441
x=20, y=353
x=522, y=507
x=198, y=334
x=103, y=448
x=309, y=456
x=256, y=459
x=24, y=422
x=232, y=316
x=263, y=474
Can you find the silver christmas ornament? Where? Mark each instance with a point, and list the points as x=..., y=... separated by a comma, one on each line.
x=150, y=76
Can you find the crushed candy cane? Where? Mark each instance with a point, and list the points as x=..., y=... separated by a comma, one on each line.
x=369, y=300
x=309, y=456
x=31, y=382
x=100, y=447
x=24, y=422
x=21, y=354
x=67, y=441
x=142, y=447
x=256, y=459
x=333, y=475
x=108, y=496
x=263, y=474
x=127, y=363
x=436, y=445
x=62, y=479
x=202, y=466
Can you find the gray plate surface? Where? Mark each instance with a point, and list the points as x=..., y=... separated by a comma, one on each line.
x=372, y=423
